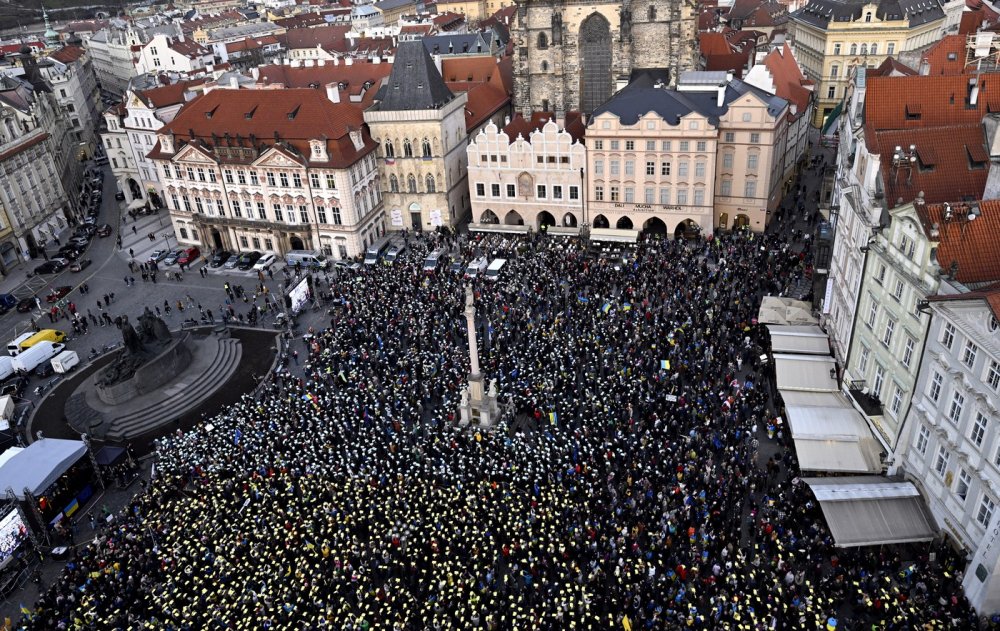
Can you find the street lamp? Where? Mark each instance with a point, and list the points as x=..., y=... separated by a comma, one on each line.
x=166, y=240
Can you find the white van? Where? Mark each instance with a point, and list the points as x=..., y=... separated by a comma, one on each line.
x=475, y=267
x=431, y=262
x=14, y=346
x=6, y=367
x=493, y=271
x=37, y=355
x=306, y=258
x=64, y=361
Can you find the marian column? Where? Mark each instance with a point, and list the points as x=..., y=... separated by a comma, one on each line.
x=477, y=407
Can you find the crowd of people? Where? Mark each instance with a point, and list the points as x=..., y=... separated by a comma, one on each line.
x=622, y=487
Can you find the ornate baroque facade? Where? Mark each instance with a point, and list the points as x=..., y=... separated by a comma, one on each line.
x=573, y=56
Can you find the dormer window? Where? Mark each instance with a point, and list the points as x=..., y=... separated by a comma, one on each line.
x=868, y=16
x=167, y=143
x=318, y=148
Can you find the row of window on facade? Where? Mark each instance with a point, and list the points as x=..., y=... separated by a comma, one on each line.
x=864, y=49
x=430, y=185
x=541, y=191
x=425, y=149
x=615, y=193
x=666, y=168
x=539, y=159
x=251, y=177
x=258, y=210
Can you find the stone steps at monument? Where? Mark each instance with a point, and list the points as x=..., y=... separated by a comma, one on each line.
x=193, y=389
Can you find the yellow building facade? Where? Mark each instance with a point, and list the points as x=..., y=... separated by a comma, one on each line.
x=832, y=36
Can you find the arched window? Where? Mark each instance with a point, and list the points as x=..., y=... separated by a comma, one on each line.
x=652, y=13
x=411, y=184
x=426, y=147
x=390, y=151
x=430, y=183
x=545, y=66
x=854, y=49
x=868, y=16
x=407, y=149
x=543, y=40
x=874, y=49
x=393, y=184
x=864, y=49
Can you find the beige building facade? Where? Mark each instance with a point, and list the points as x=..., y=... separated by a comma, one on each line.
x=832, y=36
x=529, y=173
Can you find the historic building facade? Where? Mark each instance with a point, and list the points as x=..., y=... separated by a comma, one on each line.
x=573, y=57
x=271, y=170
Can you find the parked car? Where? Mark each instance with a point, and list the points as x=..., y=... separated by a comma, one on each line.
x=171, y=258
x=158, y=255
x=188, y=256
x=44, y=369
x=91, y=219
x=14, y=387
x=265, y=262
x=104, y=231
x=7, y=302
x=249, y=259
x=219, y=258
x=26, y=304
x=79, y=242
x=51, y=266
x=85, y=230
x=80, y=265
x=232, y=262
x=457, y=266
x=58, y=293
x=69, y=252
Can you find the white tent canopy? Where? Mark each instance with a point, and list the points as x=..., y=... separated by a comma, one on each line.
x=807, y=340
x=805, y=372
x=611, y=234
x=786, y=311
x=872, y=510
x=39, y=465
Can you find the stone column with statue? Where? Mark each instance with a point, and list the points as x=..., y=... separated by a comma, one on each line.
x=478, y=407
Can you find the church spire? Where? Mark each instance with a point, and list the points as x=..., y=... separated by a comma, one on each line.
x=51, y=36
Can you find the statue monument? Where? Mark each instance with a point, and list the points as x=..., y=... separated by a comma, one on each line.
x=153, y=331
x=478, y=406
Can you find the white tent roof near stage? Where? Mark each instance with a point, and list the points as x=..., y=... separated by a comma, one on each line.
x=40, y=464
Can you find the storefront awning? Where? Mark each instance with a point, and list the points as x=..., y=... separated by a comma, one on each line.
x=39, y=465
x=808, y=340
x=785, y=311
x=497, y=227
x=805, y=372
x=872, y=510
x=829, y=434
x=613, y=235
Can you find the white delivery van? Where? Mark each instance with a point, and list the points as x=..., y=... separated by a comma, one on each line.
x=493, y=271
x=475, y=267
x=14, y=346
x=64, y=361
x=6, y=367
x=306, y=258
x=37, y=355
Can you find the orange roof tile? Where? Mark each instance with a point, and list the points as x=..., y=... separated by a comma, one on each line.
x=969, y=244
x=68, y=54
x=789, y=82
x=169, y=94
x=295, y=115
x=946, y=56
x=940, y=99
x=521, y=126
x=354, y=77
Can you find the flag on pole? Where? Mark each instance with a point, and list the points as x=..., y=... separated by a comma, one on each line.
x=627, y=306
x=583, y=299
x=664, y=364
x=237, y=435
x=607, y=307
x=554, y=418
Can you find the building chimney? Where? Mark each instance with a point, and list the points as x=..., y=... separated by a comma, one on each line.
x=973, y=90
x=333, y=92
x=721, y=100
x=348, y=61
x=234, y=83
x=437, y=64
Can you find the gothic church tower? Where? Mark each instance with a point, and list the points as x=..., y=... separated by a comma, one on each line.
x=573, y=56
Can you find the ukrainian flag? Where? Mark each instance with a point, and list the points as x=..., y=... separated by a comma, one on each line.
x=25, y=610
x=607, y=307
x=583, y=299
x=664, y=364
x=627, y=306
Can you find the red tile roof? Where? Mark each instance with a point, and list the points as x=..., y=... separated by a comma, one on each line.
x=714, y=44
x=941, y=100
x=970, y=244
x=484, y=100
x=789, y=82
x=946, y=56
x=169, y=94
x=68, y=54
x=331, y=37
x=989, y=294
x=353, y=76
x=520, y=126
x=189, y=48
x=251, y=43
x=297, y=116
x=891, y=67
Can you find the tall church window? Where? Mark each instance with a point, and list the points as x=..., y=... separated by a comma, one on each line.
x=390, y=151
x=411, y=184
x=652, y=13
x=543, y=40
x=426, y=148
x=407, y=148
x=393, y=184
x=595, y=61
x=430, y=183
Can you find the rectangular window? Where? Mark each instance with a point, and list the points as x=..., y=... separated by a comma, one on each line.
x=278, y=213
x=880, y=276
x=256, y=242
x=480, y=189
x=934, y=390
x=948, y=336
x=897, y=291
x=211, y=176
x=283, y=178
x=682, y=196
x=615, y=167
x=993, y=375
x=682, y=169
x=963, y=484
x=303, y=214
x=615, y=145
x=664, y=168
x=599, y=167
x=198, y=205
x=187, y=203
x=729, y=137
x=314, y=180
x=755, y=138
x=495, y=190
x=955, y=410
x=539, y=191
x=665, y=145
x=891, y=50
x=220, y=206
x=699, y=197
x=574, y=192
x=727, y=161
x=331, y=180
x=878, y=381
x=752, y=162
x=201, y=174
x=296, y=180
x=190, y=170
x=176, y=201
x=599, y=145
x=511, y=191
x=684, y=145
x=923, y=437
x=699, y=169
x=701, y=145
x=985, y=513
x=978, y=430
x=896, y=402
x=270, y=178
x=650, y=167
x=166, y=171
x=237, y=212
x=908, y=347
x=872, y=314
x=651, y=145
x=969, y=354
x=941, y=460
x=321, y=214
x=665, y=196
x=890, y=328
x=726, y=188
x=629, y=145
x=599, y=193
x=629, y=194
x=261, y=210
x=244, y=243
x=337, y=219
x=863, y=360
x=241, y=176
x=614, y=193
x=557, y=192
x=650, y=195
x=750, y=190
